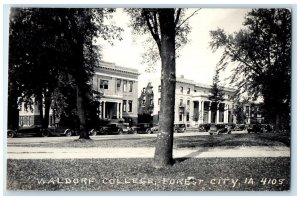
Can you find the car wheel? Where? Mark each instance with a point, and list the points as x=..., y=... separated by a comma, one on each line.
x=45, y=133
x=148, y=131
x=11, y=134
x=120, y=132
x=93, y=132
x=68, y=132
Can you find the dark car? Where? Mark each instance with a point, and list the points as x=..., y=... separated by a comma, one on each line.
x=115, y=128
x=204, y=127
x=142, y=127
x=179, y=128
x=218, y=129
x=254, y=128
x=34, y=130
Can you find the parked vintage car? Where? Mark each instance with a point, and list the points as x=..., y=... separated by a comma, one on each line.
x=141, y=128
x=34, y=130
x=218, y=129
x=204, y=127
x=112, y=128
x=179, y=128
x=254, y=128
x=239, y=127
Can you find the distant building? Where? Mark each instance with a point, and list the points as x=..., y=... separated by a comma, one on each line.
x=192, y=106
x=253, y=113
x=146, y=105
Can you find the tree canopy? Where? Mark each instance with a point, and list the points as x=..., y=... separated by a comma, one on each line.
x=261, y=54
x=52, y=54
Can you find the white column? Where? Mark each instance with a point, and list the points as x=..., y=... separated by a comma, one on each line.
x=209, y=113
x=225, y=114
x=202, y=112
x=118, y=113
x=218, y=114
x=104, y=111
x=121, y=110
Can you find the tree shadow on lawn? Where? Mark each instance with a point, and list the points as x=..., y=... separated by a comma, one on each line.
x=231, y=141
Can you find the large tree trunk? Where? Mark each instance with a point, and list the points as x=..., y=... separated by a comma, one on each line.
x=47, y=111
x=164, y=145
x=12, y=113
x=41, y=110
x=83, y=132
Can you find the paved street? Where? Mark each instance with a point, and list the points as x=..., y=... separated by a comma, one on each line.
x=15, y=151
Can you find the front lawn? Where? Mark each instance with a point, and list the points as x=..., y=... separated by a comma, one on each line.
x=233, y=140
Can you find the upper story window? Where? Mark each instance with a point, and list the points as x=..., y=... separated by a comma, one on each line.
x=104, y=84
x=195, y=91
x=181, y=89
x=130, y=86
x=124, y=86
x=181, y=102
x=118, y=85
x=188, y=102
x=129, y=106
x=158, y=101
x=159, y=88
x=189, y=91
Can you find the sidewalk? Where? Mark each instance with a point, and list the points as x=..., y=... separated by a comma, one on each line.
x=94, y=153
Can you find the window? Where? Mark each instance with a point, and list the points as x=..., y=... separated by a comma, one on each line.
x=130, y=86
x=104, y=84
x=118, y=85
x=189, y=91
x=151, y=101
x=188, y=117
x=144, y=89
x=181, y=89
x=180, y=117
x=143, y=102
x=124, y=86
x=129, y=106
x=159, y=101
x=195, y=91
x=124, y=105
x=159, y=88
x=188, y=102
x=181, y=102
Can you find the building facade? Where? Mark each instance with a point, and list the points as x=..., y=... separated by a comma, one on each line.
x=192, y=106
x=118, y=87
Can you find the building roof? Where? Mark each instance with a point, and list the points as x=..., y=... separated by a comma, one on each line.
x=114, y=67
x=181, y=79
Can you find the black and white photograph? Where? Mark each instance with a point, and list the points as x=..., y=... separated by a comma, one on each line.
x=149, y=99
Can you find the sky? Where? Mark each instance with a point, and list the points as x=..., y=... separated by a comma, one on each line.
x=196, y=62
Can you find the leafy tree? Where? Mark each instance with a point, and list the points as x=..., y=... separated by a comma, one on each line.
x=168, y=30
x=261, y=53
x=216, y=95
x=52, y=56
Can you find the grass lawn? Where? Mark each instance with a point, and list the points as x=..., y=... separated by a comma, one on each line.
x=233, y=140
x=209, y=174
x=187, y=174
